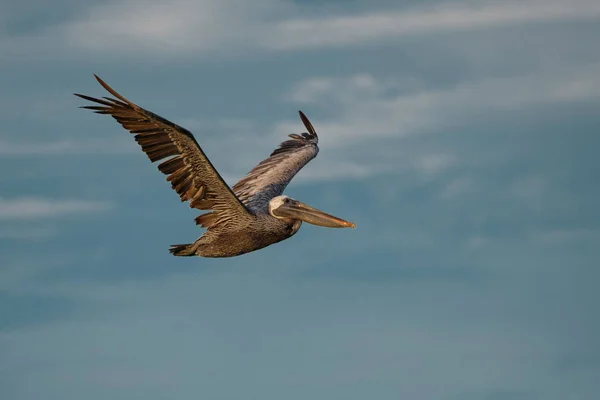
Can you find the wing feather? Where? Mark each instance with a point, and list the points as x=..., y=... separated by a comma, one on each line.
x=188, y=169
x=271, y=176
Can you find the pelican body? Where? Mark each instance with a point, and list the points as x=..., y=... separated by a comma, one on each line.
x=251, y=215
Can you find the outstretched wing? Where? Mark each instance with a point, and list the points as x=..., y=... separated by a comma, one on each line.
x=269, y=178
x=188, y=169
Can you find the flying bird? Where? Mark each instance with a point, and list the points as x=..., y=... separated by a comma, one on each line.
x=251, y=215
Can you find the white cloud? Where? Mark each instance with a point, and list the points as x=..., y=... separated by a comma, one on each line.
x=163, y=29
x=460, y=16
x=340, y=89
x=37, y=208
x=365, y=109
x=173, y=27
x=187, y=28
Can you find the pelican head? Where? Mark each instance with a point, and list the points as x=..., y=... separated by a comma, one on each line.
x=284, y=207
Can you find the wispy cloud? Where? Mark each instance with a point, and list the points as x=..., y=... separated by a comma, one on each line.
x=37, y=208
x=366, y=107
x=178, y=26
x=459, y=16
x=189, y=28
x=134, y=27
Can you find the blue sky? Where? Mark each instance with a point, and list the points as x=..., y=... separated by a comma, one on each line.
x=460, y=136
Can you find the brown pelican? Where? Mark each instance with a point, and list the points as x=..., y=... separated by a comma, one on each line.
x=249, y=216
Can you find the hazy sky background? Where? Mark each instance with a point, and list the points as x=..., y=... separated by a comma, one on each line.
x=461, y=136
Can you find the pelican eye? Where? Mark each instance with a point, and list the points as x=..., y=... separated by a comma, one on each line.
x=286, y=200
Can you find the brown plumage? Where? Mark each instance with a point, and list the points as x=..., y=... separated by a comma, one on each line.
x=238, y=222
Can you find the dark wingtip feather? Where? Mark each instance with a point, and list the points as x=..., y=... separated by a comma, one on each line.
x=307, y=124
x=111, y=90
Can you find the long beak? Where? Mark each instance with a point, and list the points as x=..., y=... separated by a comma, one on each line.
x=297, y=210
